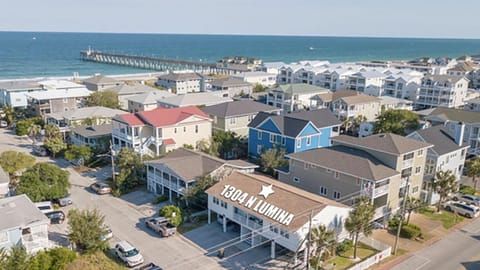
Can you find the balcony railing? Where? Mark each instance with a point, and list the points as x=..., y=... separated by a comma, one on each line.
x=380, y=212
x=407, y=163
x=379, y=191
x=239, y=218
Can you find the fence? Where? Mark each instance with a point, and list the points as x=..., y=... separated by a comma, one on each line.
x=384, y=251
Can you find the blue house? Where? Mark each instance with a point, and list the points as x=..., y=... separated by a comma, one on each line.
x=296, y=132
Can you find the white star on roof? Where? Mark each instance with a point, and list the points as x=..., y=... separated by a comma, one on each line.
x=266, y=191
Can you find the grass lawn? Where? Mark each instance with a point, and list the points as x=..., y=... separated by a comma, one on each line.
x=447, y=218
x=199, y=221
x=98, y=260
x=343, y=260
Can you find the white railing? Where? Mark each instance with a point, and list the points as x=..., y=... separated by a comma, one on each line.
x=252, y=224
x=407, y=163
x=381, y=191
x=384, y=252
x=241, y=219
x=380, y=212
x=403, y=181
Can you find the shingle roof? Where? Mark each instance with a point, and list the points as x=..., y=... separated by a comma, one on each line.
x=229, y=82
x=86, y=112
x=330, y=96
x=300, y=88
x=291, y=199
x=384, y=142
x=100, y=79
x=347, y=160
x=150, y=97
x=93, y=131
x=454, y=115
x=161, y=117
x=19, y=212
x=194, y=99
x=442, y=78
x=359, y=99
x=236, y=108
x=126, y=89
x=292, y=124
x=180, y=76
x=442, y=142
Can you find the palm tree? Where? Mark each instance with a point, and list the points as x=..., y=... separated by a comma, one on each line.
x=9, y=114
x=33, y=131
x=359, y=219
x=411, y=205
x=325, y=242
x=346, y=124
x=52, y=131
x=357, y=121
x=444, y=183
x=473, y=170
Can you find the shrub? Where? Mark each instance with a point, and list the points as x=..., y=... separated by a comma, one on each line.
x=344, y=246
x=393, y=223
x=410, y=231
x=464, y=189
x=173, y=213
x=160, y=199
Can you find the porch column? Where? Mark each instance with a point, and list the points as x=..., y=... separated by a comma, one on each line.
x=272, y=249
x=209, y=216
x=224, y=223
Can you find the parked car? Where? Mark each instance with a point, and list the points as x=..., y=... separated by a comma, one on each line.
x=470, y=199
x=162, y=226
x=101, y=188
x=150, y=266
x=128, y=254
x=40, y=151
x=3, y=124
x=67, y=200
x=45, y=206
x=107, y=233
x=462, y=208
x=56, y=217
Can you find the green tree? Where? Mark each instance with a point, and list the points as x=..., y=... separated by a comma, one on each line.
x=357, y=121
x=229, y=144
x=55, y=145
x=52, y=131
x=75, y=152
x=325, y=243
x=12, y=162
x=44, y=181
x=412, y=204
x=196, y=194
x=89, y=121
x=16, y=259
x=359, y=219
x=33, y=132
x=473, y=170
x=396, y=121
x=444, y=183
x=173, y=213
x=271, y=159
x=52, y=259
x=22, y=127
x=346, y=124
x=9, y=114
x=131, y=169
x=208, y=147
x=86, y=229
x=104, y=98
x=259, y=88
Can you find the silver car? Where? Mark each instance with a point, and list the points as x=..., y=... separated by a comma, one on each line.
x=470, y=199
x=462, y=208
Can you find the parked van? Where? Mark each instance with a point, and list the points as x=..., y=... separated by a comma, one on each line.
x=462, y=208
x=45, y=206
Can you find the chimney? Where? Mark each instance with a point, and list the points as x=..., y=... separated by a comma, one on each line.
x=459, y=132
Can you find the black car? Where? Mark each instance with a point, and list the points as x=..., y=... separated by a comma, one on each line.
x=56, y=217
x=150, y=266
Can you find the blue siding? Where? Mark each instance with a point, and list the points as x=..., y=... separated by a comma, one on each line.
x=269, y=126
x=308, y=130
x=325, y=135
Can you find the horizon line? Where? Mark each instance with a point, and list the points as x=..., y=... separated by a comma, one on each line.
x=237, y=34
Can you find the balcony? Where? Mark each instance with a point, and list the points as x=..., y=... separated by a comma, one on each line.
x=380, y=212
x=403, y=182
x=379, y=191
x=34, y=242
x=117, y=133
x=407, y=163
x=240, y=219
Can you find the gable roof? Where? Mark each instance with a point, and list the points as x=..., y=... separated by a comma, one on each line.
x=451, y=114
x=383, y=142
x=199, y=164
x=293, y=123
x=127, y=89
x=180, y=76
x=442, y=142
x=150, y=97
x=300, y=88
x=443, y=78
x=194, y=99
x=19, y=212
x=240, y=107
x=330, y=96
x=100, y=79
x=359, y=99
x=229, y=82
x=87, y=112
x=161, y=117
x=347, y=160
x=283, y=197
x=93, y=131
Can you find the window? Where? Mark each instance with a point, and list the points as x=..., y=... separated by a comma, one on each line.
x=175, y=130
x=284, y=140
x=65, y=100
x=272, y=137
x=414, y=189
x=250, y=117
x=305, y=166
x=259, y=149
x=259, y=134
x=273, y=229
x=196, y=128
x=223, y=204
x=323, y=191
x=408, y=156
x=233, y=120
x=296, y=179
x=215, y=200
x=336, y=175
x=184, y=129
x=420, y=153
x=336, y=195
x=309, y=140
x=3, y=237
x=299, y=143
x=359, y=181
x=463, y=153
x=418, y=170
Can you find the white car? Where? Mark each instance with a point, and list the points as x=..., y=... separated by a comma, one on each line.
x=461, y=208
x=128, y=254
x=470, y=199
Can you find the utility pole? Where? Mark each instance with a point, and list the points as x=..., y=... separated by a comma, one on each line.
x=402, y=216
x=113, y=162
x=308, y=239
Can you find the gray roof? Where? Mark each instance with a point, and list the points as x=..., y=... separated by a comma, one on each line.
x=442, y=142
x=150, y=97
x=86, y=112
x=383, y=142
x=347, y=160
x=19, y=212
x=100, y=79
x=93, y=131
x=300, y=88
x=180, y=77
x=443, y=78
x=127, y=89
x=229, y=82
x=452, y=115
x=199, y=164
x=194, y=99
x=293, y=123
x=240, y=107
x=20, y=85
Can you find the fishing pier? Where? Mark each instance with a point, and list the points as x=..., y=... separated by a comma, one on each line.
x=154, y=63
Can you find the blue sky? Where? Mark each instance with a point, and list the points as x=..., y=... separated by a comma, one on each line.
x=383, y=18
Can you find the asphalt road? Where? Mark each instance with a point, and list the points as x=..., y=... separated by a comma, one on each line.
x=125, y=218
x=458, y=250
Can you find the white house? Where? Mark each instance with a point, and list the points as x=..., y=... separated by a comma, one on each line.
x=258, y=77
x=293, y=97
x=264, y=210
x=442, y=91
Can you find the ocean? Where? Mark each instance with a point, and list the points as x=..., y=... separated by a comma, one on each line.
x=30, y=54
